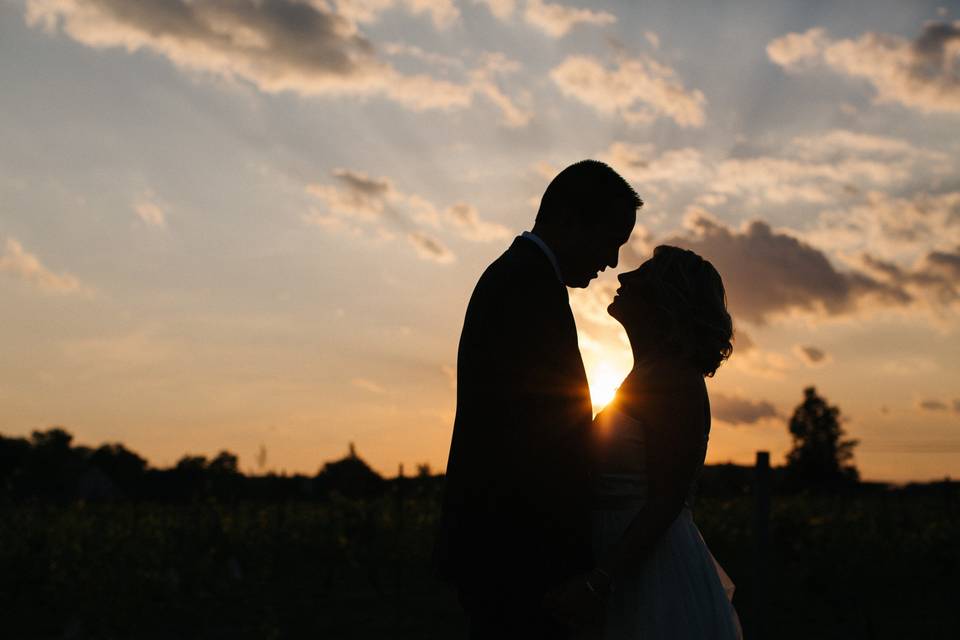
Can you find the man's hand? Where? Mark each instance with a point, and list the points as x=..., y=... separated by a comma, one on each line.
x=578, y=602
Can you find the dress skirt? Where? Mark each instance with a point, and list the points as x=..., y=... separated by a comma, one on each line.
x=679, y=592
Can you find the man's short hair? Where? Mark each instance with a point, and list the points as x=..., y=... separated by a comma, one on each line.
x=587, y=188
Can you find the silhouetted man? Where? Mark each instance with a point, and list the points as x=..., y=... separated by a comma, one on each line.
x=516, y=510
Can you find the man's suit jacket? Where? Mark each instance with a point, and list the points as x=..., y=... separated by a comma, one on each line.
x=516, y=516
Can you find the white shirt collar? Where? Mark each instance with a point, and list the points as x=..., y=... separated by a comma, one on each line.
x=537, y=240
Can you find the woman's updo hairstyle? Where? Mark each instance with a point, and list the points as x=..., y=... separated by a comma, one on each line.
x=686, y=296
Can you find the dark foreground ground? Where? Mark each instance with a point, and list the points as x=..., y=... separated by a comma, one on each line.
x=880, y=564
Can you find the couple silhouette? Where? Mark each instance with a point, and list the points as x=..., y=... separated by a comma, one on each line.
x=556, y=524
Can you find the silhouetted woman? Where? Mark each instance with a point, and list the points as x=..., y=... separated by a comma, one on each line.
x=654, y=570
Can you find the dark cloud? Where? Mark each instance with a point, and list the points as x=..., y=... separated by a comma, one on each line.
x=932, y=46
x=933, y=405
x=742, y=342
x=735, y=410
x=278, y=45
x=768, y=272
x=363, y=184
x=937, y=274
x=811, y=355
x=429, y=248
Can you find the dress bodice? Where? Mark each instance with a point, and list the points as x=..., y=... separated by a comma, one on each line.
x=622, y=457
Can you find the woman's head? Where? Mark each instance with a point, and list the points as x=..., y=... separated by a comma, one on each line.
x=674, y=306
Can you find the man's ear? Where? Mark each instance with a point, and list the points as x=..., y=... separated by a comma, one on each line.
x=569, y=221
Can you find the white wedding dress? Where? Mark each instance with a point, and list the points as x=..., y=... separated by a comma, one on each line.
x=680, y=592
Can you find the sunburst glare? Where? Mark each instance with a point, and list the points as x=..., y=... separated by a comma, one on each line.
x=604, y=380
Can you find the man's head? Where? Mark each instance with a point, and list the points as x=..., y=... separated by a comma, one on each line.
x=586, y=215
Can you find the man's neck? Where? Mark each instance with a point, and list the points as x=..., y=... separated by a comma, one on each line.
x=534, y=237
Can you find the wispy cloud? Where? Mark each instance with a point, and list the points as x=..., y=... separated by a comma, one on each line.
x=368, y=385
x=641, y=163
x=443, y=13
x=502, y=9
x=150, y=211
x=932, y=405
x=638, y=89
x=429, y=248
x=811, y=356
x=921, y=74
x=558, y=19
x=552, y=18
x=893, y=228
x=818, y=168
x=357, y=201
x=19, y=263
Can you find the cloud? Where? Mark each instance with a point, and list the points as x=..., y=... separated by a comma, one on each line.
x=416, y=53
x=932, y=405
x=818, y=169
x=502, y=9
x=483, y=81
x=557, y=20
x=465, y=217
x=430, y=248
x=23, y=265
x=363, y=10
x=368, y=385
x=640, y=163
x=735, y=410
x=277, y=45
x=795, y=51
x=768, y=272
x=782, y=180
x=443, y=12
x=893, y=228
x=148, y=210
x=363, y=204
x=359, y=195
x=842, y=141
x=922, y=74
x=636, y=89
x=742, y=342
x=935, y=277
x=811, y=356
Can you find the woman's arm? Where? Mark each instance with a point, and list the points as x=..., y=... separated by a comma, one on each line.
x=674, y=440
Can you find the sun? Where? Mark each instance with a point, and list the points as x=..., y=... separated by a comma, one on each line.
x=604, y=381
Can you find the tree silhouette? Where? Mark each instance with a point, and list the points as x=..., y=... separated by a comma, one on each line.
x=123, y=467
x=820, y=458
x=350, y=476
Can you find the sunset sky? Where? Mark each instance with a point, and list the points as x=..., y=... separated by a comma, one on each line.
x=235, y=223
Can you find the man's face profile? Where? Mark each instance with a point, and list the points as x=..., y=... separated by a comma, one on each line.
x=598, y=245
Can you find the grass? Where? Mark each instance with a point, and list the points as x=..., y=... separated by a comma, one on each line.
x=871, y=565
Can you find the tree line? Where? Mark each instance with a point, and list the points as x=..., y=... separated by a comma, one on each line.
x=47, y=466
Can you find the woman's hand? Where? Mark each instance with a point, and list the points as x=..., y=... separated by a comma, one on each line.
x=579, y=602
